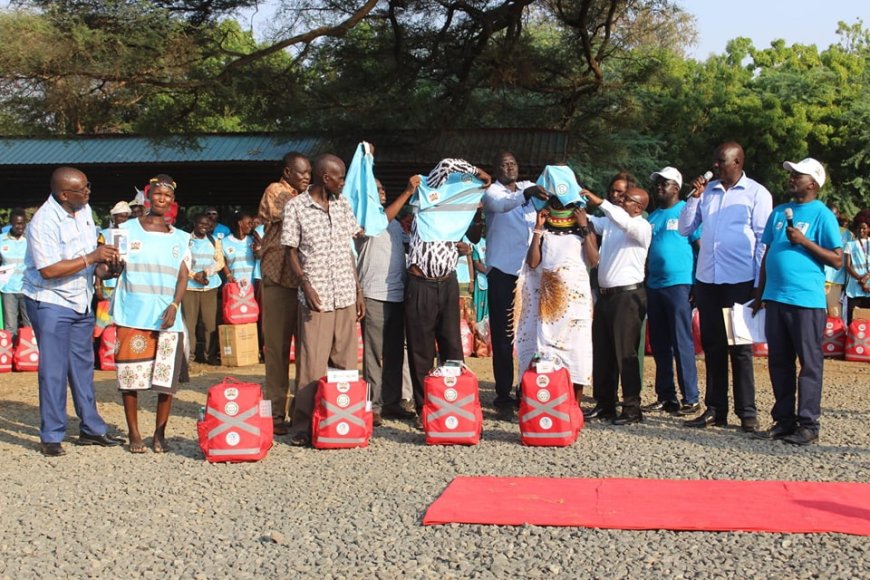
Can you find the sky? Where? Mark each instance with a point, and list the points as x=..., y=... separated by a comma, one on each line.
x=795, y=21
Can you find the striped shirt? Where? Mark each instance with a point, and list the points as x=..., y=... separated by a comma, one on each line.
x=53, y=235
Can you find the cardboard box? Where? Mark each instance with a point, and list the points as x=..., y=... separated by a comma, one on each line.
x=239, y=344
x=861, y=314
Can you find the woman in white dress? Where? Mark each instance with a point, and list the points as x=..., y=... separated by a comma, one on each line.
x=555, y=314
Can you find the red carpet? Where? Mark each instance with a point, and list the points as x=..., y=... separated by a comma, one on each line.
x=656, y=504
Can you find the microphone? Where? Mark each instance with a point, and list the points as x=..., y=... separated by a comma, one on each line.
x=789, y=218
x=697, y=191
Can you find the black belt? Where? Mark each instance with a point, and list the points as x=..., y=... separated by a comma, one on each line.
x=415, y=271
x=618, y=289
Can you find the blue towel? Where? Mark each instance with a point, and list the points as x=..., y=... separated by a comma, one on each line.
x=559, y=181
x=362, y=192
x=444, y=213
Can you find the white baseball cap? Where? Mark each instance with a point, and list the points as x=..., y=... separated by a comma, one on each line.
x=120, y=207
x=669, y=173
x=808, y=166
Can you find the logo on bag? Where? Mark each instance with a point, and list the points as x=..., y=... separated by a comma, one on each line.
x=450, y=381
x=543, y=395
x=231, y=393
x=542, y=381
x=451, y=395
x=545, y=423
x=342, y=401
x=231, y=409
x=233, y=438
x=342, y=428
x=451, y=422
x=343, y=387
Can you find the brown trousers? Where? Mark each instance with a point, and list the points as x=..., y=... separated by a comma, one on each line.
x=325, y=339
x=280, y=320
x=198, y=304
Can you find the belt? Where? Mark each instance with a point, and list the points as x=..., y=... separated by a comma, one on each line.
x=415, y=271
x=618, y=289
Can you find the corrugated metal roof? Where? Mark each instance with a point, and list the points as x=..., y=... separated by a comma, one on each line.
x=536, y=147
x=122, y=149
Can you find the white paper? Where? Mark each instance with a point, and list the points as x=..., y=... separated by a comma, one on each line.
x=341, y=375
x=746, y=328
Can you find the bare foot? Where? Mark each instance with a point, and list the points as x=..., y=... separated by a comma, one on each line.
x=159, y=445
x=137, y=445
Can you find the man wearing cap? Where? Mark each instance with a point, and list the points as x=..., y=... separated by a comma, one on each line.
x=120, y=213
x=733, y=210
x=670, y=268
x=621, y=307
x=802, y=237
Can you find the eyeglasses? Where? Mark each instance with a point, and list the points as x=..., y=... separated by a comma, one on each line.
x=87, y=187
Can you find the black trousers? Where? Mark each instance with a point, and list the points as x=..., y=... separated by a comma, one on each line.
x=501, y=298
x=795, y=332
x=711, y=299
x=616, y=326
x=431, y=316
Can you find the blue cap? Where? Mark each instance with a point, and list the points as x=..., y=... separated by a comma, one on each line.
x=560, y=182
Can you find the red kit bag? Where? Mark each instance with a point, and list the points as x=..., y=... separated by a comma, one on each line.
x=236, y=424
x=696, y=331
x=107, y=348
x=549, y=414
x=759, y=349
x=342, y=414
x=26, y=354
x=858, y=341
x=834, y=338
x=5, y=351
x=451, y=413
x=240, y=305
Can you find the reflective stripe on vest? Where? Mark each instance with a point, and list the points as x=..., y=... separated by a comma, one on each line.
x=444, y=407
x=549, y=407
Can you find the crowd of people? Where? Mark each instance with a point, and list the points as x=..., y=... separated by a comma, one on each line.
x=552, y=269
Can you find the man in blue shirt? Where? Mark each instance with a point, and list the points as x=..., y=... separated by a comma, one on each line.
x=802, y=237
x=733, y=210
x=670, y=267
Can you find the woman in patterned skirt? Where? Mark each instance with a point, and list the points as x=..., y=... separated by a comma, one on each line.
x=150, y=344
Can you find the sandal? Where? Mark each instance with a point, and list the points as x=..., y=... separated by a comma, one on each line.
x=158, y=445
x=137, y=447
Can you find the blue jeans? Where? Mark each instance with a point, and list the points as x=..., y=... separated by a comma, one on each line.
x=66, y=354
x=670, y=336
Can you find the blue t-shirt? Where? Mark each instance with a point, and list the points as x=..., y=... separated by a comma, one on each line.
x=793, y=275
x=671, y=259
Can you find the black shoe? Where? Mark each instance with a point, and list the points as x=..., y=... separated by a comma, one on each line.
x=705, y=420
x=778, y=431
x=689, y=409
x=506, y=412
x=101, y=440
x=52, y=449
x=802, y=436
x=749, y=424
x=657, y=406
x=500, y=402
x=628, y=418
x=397, y=412
x=418, y=423
x=599, y=413
x=377, y=420
x=300, y=439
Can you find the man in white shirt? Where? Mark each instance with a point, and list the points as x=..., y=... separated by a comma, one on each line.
x=733, y=210
x=621, y=306
x=510, y=219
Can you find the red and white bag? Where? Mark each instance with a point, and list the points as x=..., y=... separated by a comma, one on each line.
x=759, y=349
x=5, y=351
x=451, y=412
x=549, y=414
x=237, y=423
x=26, y=355
x=342, y=415
x=108, y=341
x=360, y=347
x=240, y=303
x=834, y=338
x=696, y=331
x=858, y=341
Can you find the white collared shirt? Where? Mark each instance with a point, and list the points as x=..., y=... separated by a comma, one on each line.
x=624, y=245
x=733, y=221
x=510, y=220
x=54, y=235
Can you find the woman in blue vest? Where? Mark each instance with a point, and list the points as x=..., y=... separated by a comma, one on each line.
x=238, y=250
x=150, y=341
x=201, y=298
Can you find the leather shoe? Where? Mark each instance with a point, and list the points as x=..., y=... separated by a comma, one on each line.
x=300, y=439
x=101, y=440
x=778, y=431
x=749, y=424
x=628, y=419
x=52, y=449
x=689, y=409
x=802, y=436
x=397, y=412
x=666, y=406
x=377, y=420
x=279, y=428
x=705, y=420
x=418, y=423
x=599, y=413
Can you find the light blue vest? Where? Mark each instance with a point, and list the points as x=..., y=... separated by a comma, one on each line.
x=444, y=213
x=108, y=282
x=239, y=255
x=146, y=287
x=202, y=255
x=12, y=253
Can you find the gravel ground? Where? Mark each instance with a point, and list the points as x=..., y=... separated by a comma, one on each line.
x=357, y=513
